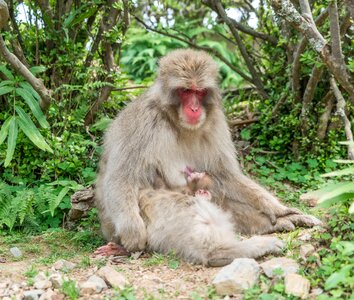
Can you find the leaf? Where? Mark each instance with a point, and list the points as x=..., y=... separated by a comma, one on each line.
x=338, y=277
x=6, y=89
x=344, y=161
x=34, y=106
x=37, y=69
x=6, y=82
x=54, y=203
x=4, y=130
x=347, y=171
x=7, y=72
x=11, y=140
x=31, y=131
x=30, y=89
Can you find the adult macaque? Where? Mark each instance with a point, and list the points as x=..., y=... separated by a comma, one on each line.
x=179, y=122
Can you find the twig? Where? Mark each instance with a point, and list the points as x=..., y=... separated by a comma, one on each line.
x=341, y=112
x=130, y=88
x=242, y=122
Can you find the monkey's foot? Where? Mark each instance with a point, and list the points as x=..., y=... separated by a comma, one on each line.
x=203, y=194
x=112, y=249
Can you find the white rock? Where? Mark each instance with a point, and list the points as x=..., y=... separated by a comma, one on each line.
x=288, y=266
x=48, y=295
x=64, y=265
x=112, y=277
x=241, y=274
x=93, y=285
x=56, y=279
x=297, y=285
x=32, y=294
x=16, y=252
x=306, y=250
x=42, y=282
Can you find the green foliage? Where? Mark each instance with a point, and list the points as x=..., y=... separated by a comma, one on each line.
x=70, y=289
x=21, y=94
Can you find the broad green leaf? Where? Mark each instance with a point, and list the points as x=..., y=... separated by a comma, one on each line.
x=4, y=130
x=34, y=106
x=6, y=89
x=336, y=199
x=7, y=72
x=7, y=83
x=31, y=131
x=347, y=171
x=30, y=89
x=54, y=204
x=37, y=69
x=338, y=277
x=11, y=140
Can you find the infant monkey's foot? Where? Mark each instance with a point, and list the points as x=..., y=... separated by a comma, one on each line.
x=112, y=249
x=203, y=194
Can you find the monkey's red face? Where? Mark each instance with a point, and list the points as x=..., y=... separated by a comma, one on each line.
x=192, y=105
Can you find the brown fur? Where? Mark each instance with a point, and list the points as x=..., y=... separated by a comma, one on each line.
x=150, y=139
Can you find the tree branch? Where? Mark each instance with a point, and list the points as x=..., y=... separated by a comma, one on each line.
x=296, y=71
x=341, y=112
x=335, y=32
x=324, y=118
x=306, y=26
x=189, y=43
x=217, y=6
x=18, y=66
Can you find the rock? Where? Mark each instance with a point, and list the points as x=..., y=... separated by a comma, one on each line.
x=271, y=266
x=49, y=295
x=306, y=250
x=241, y=274
x=306, y=236
x=56, y=279
x=112, y=277
x=310, y=199
x=16, y=252
x=32, y=294
x=297, y=285
x=64, y=265
x=93, y=285
x=41, y=282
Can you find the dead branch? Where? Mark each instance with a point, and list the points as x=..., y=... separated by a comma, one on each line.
x=341, y=112
x=238, y=122
x=306, y=26
x=324, y=118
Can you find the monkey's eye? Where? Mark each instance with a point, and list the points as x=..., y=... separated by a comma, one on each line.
x=201, y=93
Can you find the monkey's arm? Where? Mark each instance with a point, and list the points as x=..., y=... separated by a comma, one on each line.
x=254, y=209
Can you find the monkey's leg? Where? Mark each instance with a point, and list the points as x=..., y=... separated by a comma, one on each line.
x=254, y=247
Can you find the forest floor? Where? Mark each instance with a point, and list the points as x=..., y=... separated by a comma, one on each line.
x=149, y=276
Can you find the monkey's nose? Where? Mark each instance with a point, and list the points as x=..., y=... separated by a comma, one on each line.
x=194, y=109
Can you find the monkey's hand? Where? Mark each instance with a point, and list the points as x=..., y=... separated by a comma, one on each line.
x=132, y=233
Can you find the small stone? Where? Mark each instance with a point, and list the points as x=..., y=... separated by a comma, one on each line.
x=57, y=280
x=32, y=294
x=48, y=295
x=93, y=285
x=15, y=287
x=64, y=265
x=287, y=265
x=16, y=252
x=112, y=277
x=241, y=274
x=297, y=285
x=306, y=250
x=305, y=237
x=41, y=282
